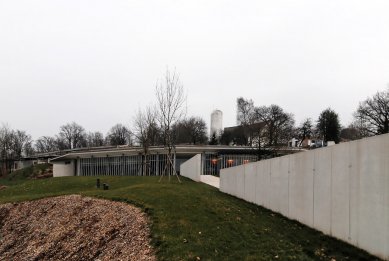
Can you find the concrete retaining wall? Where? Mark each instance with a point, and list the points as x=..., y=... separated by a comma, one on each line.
x=192, y=168
x=342, y=190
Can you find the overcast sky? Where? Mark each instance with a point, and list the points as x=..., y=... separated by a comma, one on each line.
x=96, y=62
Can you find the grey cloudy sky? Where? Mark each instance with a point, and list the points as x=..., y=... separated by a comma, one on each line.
x=97, y=62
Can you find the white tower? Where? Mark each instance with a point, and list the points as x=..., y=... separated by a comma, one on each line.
x=216, y=122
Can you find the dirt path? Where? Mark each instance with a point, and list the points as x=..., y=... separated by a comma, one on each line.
x=73, y=228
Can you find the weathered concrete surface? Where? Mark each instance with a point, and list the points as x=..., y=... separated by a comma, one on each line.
x=64, y=169
x=192, y=168
x=342, y=190
x=210, y=180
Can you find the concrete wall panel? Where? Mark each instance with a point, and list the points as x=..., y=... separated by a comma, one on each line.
x=373, y=188
x=322, y=190
x=385, y=155
x=240, y=182
x=284, y=193
x=250, y=171
x=355, y=150
x=223, y=182
x=260, y=194
x=279, y=187
x=275, y=185
x=340, y=215
x=263, y=169
x=341, y=190
x=301, y=187
x=228, y=181
x=64, y=169
x=192, y=168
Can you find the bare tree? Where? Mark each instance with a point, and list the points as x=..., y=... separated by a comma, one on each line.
x=6, y=137
x=305, y=130
x=350, y=133
x=146, y=131
x=245, y=111
x=264, y=126
x=191, y=131
x=14, y=144
x=46, y=144
x=170, y=102
x=278, y=124
x=372, y=115
x=95, y=139
x=21, y=144
x=246, y=117
x=61, y=143
x=73, y=135
x=119, y=135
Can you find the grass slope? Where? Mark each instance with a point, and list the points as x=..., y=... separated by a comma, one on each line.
x=193, y=220
x=21, y=175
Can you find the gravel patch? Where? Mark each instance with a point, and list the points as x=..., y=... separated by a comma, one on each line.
x=74, y=228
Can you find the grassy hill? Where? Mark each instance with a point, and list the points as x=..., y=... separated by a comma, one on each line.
x=193, y=221
x=32, y=172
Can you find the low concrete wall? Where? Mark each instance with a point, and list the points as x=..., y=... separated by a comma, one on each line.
x=192, y=168
x=64, y=169
x=342, y=190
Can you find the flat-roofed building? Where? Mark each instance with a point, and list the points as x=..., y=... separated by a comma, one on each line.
x=130, y=161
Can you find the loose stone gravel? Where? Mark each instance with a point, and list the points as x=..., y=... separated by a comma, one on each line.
x=74, y=228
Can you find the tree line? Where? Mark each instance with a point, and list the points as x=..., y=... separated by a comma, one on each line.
x=166, y=124
x=190, y=130
x=271, y=126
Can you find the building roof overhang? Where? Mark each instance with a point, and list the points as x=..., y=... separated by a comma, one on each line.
x=181, y=150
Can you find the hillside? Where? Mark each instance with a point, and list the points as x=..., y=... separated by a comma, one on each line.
x=38, y=171
x=193, y=221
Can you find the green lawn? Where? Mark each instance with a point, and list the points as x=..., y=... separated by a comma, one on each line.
x=191, y=220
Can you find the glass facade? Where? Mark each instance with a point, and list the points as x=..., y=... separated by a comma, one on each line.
x=212, y=164
x=135, y=165
x=155, y=164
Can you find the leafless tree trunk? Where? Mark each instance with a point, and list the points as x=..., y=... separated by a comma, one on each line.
x=145, y=127
x=171, y=105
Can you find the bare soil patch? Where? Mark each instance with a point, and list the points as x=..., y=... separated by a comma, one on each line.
x=74, y=228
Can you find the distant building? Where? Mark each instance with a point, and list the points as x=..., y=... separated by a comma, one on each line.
x=216, y=123
x=242, y=135
x=310, y=143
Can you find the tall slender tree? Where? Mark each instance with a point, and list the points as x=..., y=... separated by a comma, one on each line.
x=171, y=109
x=246, y=117
x=146, y=132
